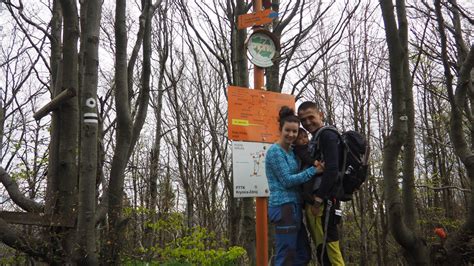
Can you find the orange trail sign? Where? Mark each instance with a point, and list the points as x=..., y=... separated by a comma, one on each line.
x=256, y=19
x=253, y=114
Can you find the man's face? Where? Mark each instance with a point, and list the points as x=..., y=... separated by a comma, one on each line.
x=311, y=119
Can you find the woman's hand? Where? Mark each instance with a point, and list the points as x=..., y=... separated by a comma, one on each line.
x=319, y=166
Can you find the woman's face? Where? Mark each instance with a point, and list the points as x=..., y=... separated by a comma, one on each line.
x=289, y=132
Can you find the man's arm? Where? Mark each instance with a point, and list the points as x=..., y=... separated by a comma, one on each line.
x=329, y=142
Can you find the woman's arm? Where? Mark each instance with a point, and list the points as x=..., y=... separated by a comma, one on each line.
x=281, y=169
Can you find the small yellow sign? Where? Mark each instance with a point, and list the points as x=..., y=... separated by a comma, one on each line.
x=241, y=122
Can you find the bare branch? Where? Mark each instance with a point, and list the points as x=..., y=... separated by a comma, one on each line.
x=15, y=194
x=29, y=21
x=28, y=36
x=11, y=238
x=328, y=44
x=279, y=28
x=462, y=11
x=444, y=188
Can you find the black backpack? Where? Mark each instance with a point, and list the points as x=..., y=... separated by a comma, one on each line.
x=354, y=157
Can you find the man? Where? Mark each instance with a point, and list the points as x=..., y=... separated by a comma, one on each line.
x=324, y=195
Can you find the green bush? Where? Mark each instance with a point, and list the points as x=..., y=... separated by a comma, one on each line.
x=200, y=247
x=12, y=260
x=196, y=246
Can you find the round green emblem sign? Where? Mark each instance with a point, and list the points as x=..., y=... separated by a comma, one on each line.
x=261, y=48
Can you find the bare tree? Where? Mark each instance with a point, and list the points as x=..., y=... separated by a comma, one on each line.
x=127, y=130
x=296, y=35
x=89, y=134
x=162, y=44
x=401, y=210
x=461, y=114
x=232, y=69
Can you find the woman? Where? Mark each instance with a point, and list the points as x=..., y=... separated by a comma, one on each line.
x=284, y=205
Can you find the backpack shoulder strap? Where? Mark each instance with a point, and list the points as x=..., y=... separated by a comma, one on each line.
x=318, y=134
x=315, y=140
x=322, y=129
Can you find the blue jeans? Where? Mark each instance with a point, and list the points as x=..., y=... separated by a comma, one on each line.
x=291, y=239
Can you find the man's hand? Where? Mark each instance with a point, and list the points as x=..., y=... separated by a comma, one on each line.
x=319, y=166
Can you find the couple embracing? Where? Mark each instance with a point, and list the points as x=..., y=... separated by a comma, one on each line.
x=300, y=183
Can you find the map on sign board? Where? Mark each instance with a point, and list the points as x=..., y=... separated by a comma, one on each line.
x=253, y=114
x=248, y=160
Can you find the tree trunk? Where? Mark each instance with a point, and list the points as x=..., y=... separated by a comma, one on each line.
x=272, y=74
x=247, y=223
x=247, y=229
x=123, y=139
x=55, y=89
x=415, y=249
x=457, y=249
x=65, y=172
x=240, y=65
x=89, y=134
x=457, y=244
x=240, y=78
x=155, y=151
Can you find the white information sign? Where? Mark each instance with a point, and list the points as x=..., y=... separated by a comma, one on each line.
x=248, y=160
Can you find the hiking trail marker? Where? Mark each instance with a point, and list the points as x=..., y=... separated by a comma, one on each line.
x=253, y=127
x=253, y=114
x=256, y=19
x=262, y=47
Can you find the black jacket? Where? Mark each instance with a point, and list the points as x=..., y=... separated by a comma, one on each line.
x=329, y=153
x=304, y=154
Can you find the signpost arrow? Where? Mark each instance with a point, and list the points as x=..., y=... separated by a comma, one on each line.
x=256, y=19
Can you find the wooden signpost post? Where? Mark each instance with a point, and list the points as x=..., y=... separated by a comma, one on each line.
x=263, y=48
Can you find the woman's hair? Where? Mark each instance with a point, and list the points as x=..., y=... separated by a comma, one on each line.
x=287, y=114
